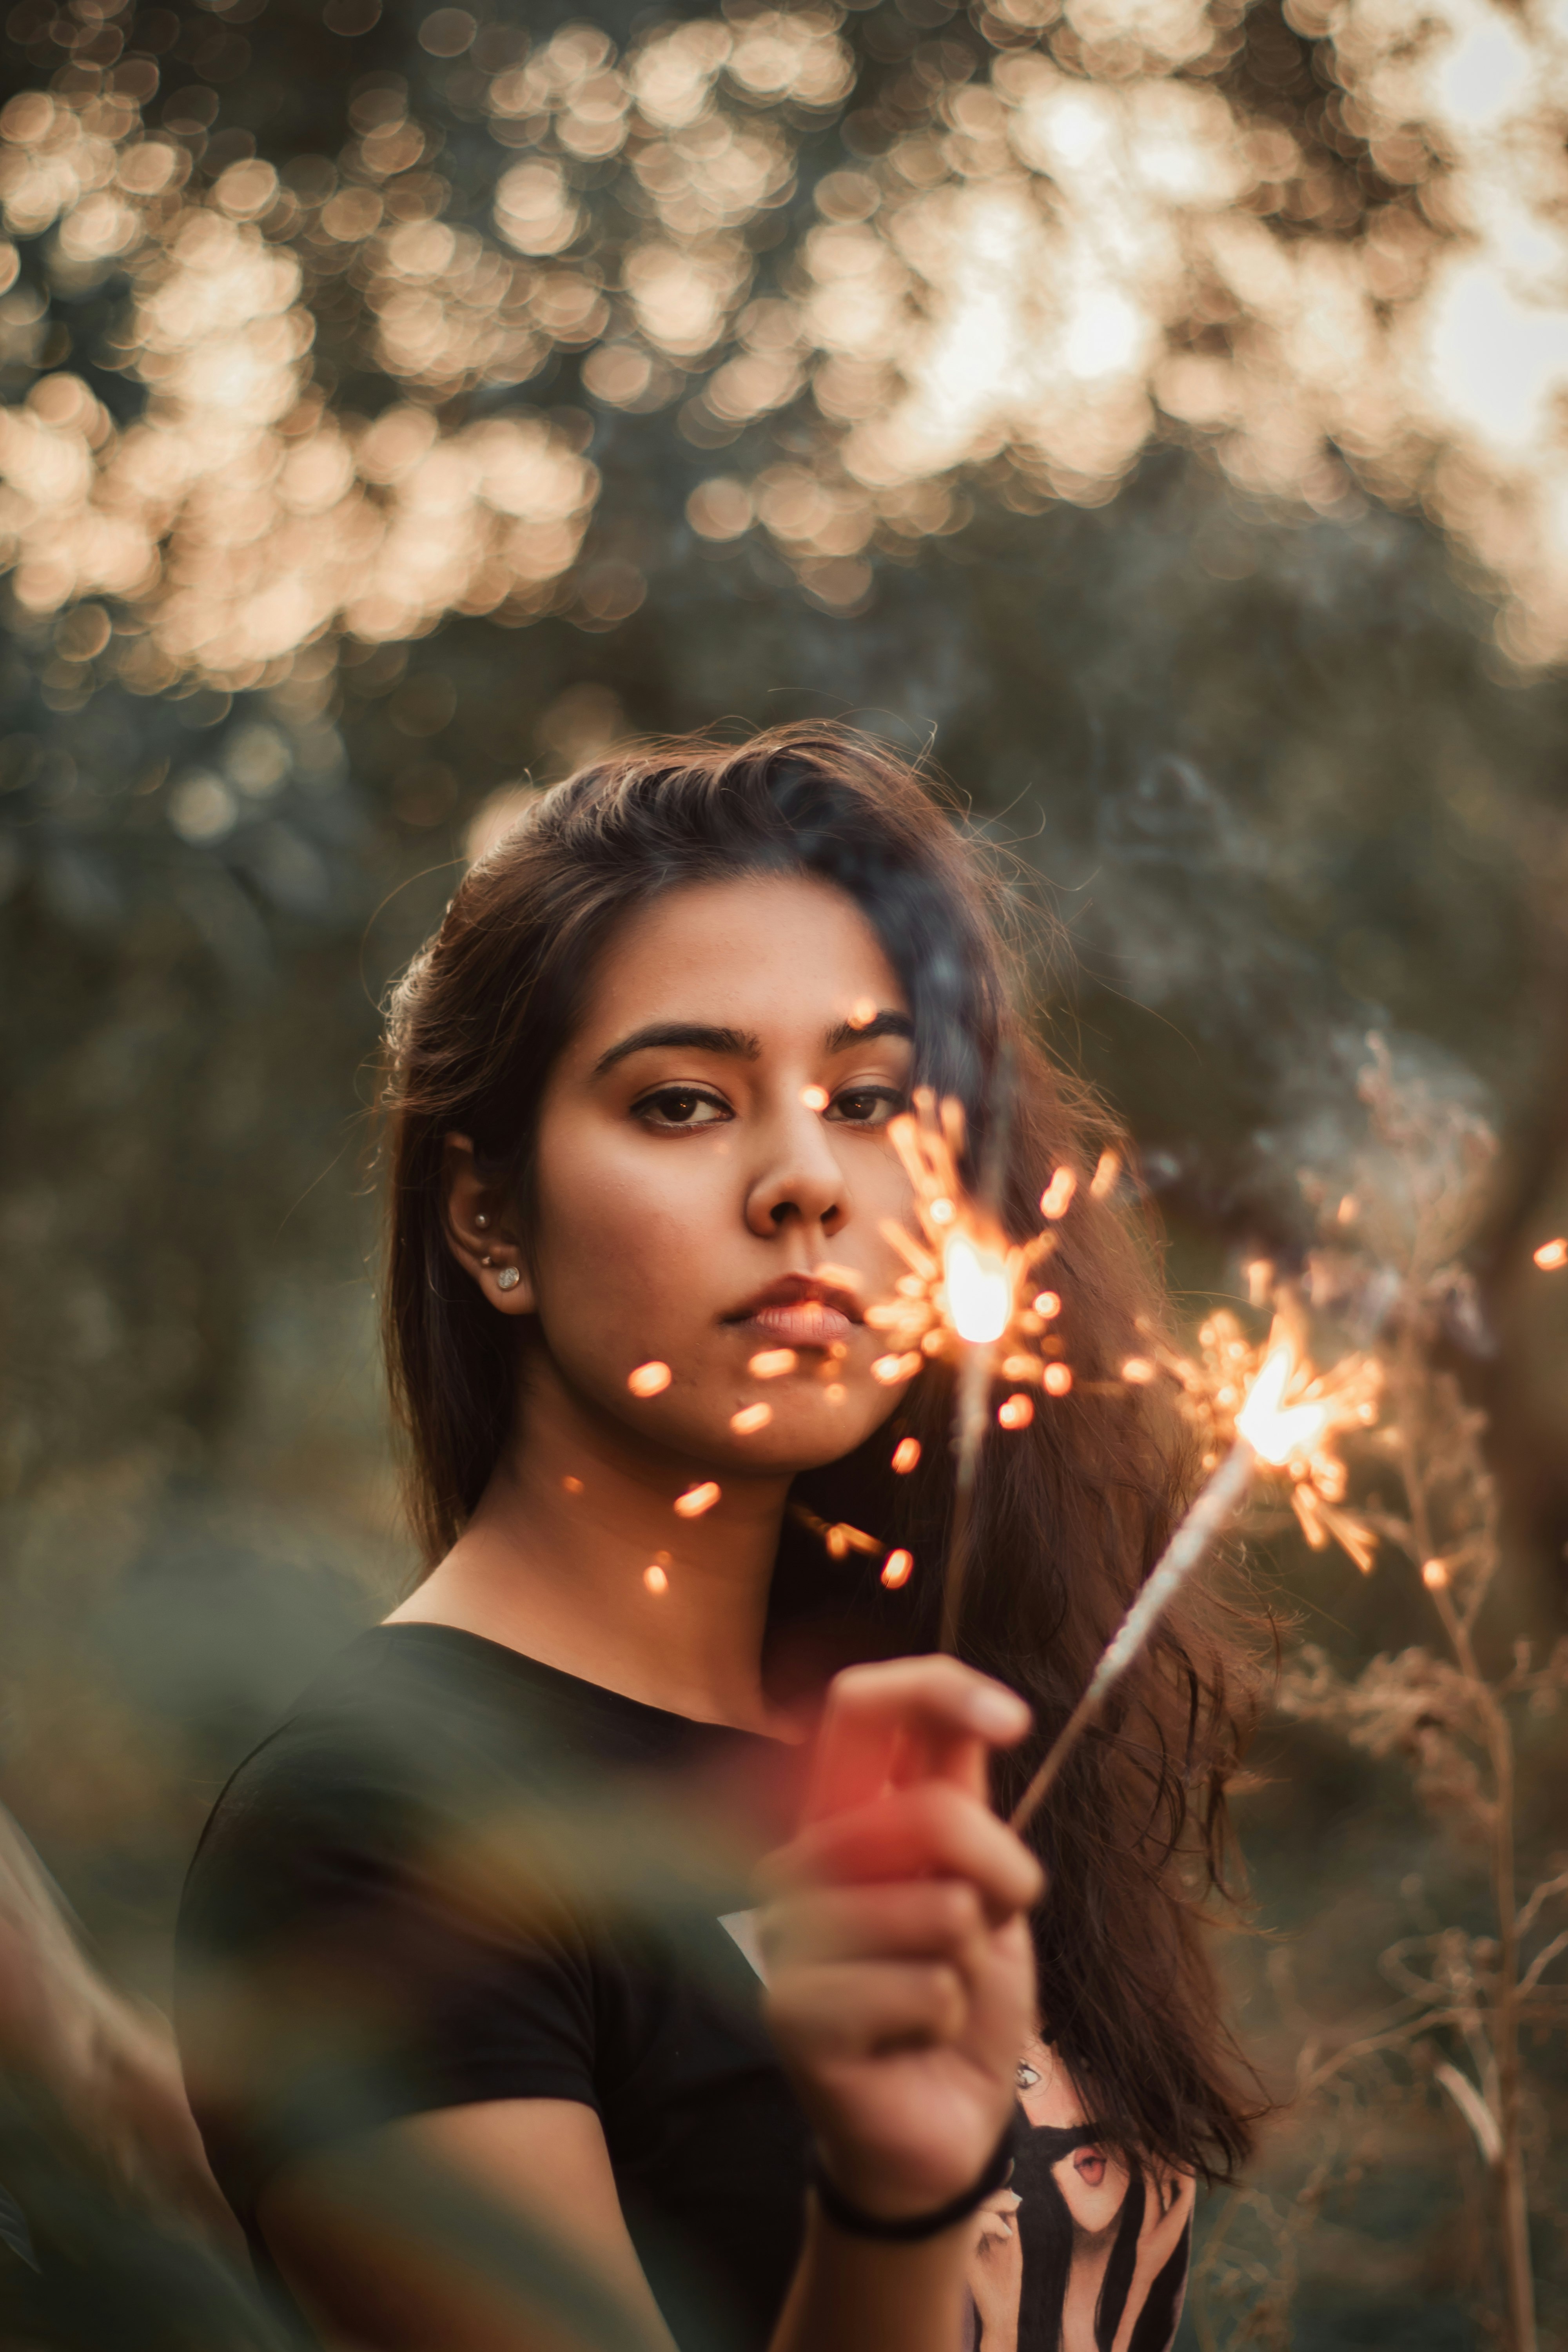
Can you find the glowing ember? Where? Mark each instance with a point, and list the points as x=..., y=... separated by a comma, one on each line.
x=897, y=1569
x=814, y=1098
x=1272, y=1429
x=1138, y=1371
x=1434, y=1575
x=1551, y=1255
x=1015, y=1412
x=979, y=1292
x=571, y=1485
x=1056, y=1198
x=1047, y=1304
x=655, y=1579
x=750, y=1418
x=697, y=1499
x=862, y=1013
x=842, y=1539
x=772, y=1363
x=1057, y=1379
x=1106, y=1172
x=649, y=1379
x=889, y=1370
x=906, y=1454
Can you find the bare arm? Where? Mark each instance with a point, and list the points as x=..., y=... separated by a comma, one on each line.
x=372, y=2265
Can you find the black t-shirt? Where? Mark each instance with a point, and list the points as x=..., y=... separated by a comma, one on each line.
x=453, y=1874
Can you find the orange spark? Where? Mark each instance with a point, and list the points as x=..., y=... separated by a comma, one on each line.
x=1105, y=1175
x=1016, y=1411
x=1056, y=1198
x=1434, y=1575
x=772, y=1363
x=889, y=1370
x=897, y=1569
x=571, y=1485
x=1138, y=1369
x=1046, y=1303
x=649, y=1379
x=862, y=1013
x=750, y=1418
x=842, y=1539
x=655, y=1579
x=697, y=1499
x=1057, y=1379
x=906, y=1454
x=1551, y=1255
x=814, y=1098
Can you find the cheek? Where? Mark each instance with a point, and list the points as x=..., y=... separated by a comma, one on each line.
x=615, y=1237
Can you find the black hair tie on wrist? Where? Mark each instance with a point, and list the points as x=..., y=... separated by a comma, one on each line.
x=910, y=2228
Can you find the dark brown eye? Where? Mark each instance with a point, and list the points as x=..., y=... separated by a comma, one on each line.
x=681, y=1107
x=867, y=1106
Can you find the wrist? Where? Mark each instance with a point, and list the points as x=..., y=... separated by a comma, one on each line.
x=906, y=2220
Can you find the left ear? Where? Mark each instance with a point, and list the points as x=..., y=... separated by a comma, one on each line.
x=481, y=1232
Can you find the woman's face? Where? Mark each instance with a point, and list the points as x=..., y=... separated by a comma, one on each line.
x=713, y=1170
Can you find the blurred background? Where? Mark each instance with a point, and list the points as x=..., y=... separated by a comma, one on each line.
x=1153, y=411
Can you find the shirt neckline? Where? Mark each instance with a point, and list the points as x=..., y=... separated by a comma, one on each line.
x=527, y=1668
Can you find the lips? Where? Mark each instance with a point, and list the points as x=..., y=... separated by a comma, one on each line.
x=797, y=1312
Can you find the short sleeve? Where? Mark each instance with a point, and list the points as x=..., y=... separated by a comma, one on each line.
x=338, y=1968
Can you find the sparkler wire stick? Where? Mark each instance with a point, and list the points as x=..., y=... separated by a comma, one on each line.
x=1212, y=1511
x=974, y=1374
x=974, y=1395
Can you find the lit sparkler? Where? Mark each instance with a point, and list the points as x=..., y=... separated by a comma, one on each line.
x=1282, y=1423
x=962, y=1297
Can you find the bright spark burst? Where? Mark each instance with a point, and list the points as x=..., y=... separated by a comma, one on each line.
x=966, y=1285
x=897, y=1569
x=1292, y=1415
x=697, y=1499
x=1551, y=1255
x=905, y=1454
x=649, y=1379
x=772, y=1363
x=750, y=1419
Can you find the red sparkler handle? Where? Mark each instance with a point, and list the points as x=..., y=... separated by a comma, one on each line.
x=1212, y=1509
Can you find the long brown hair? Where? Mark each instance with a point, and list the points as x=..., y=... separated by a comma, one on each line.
x=1072, y=1512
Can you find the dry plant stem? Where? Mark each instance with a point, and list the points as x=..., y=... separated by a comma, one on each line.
x=1212, y=1512
x=1511, y=2182
x=974, y=1394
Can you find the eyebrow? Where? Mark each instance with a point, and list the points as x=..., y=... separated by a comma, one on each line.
x=694, y=1034
x=860, y=1033
x=701, y=1039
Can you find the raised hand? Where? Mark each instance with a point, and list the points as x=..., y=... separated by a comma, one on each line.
x=899, y=1965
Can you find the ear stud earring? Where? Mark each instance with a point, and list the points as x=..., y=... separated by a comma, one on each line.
x=508, y=1278
x=482, y=1221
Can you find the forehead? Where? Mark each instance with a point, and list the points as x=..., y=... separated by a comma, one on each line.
x=775, y=954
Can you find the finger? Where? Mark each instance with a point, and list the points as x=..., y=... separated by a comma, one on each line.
x=937, y=1917
x=857, y=2009
x=930, y=1832
x=870, y=1709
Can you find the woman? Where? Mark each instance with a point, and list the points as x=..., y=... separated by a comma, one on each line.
x=639, y=1186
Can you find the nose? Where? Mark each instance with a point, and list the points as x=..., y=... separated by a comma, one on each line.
x=802, y=1182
